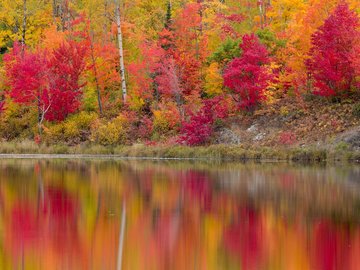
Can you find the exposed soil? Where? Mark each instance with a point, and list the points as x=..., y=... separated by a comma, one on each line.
x=294, y=123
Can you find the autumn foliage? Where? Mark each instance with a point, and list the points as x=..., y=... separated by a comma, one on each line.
x=332, y=56
x=66, y=66
x=2, y=103
x=247, y=76
x=47, y=81
x=200, y=127
x=27, y=75
x=185, y=65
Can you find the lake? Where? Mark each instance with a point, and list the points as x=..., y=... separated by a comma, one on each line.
x=128, y=214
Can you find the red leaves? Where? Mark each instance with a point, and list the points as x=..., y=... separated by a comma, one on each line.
x=247, y=77
x=27, y=75
x=331, y=62
x=66, y=66
x=50, y=83
x=287, y=138
x=227, y=24
x=168, y=80
x=2, y=105
x=190, y=47
x=200, y=127
x=245, y=237
x=171, y=67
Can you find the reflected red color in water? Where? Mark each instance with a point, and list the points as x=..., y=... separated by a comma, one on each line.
x=244, y=239
x=331, y=246
x=24, y=228
x=198, y=185
x=67, y=215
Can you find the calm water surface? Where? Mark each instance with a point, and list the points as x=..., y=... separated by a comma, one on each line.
x=69, y=214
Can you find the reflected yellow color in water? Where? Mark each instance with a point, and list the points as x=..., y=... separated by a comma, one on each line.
x=66, y=214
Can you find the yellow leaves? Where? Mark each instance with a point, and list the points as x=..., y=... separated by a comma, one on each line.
x=211, y=27
x=108, y=133
x=284, y=111
x=38, y=17
x=12, y=109
x=273, y=87
x=166, y=118
x=4, y=37
x=213, y=80
x=298, y=20
x=136, y=103
x=283, y=12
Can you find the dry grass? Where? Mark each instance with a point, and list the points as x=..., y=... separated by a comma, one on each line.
x=218, y=152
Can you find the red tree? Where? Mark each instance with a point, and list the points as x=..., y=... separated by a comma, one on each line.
x=190, y=47
x=168, y=82
x=48, y=82
x=66, y=66
x=331, y=57
x=247, y=76
x=356, y=62
x=28, y=76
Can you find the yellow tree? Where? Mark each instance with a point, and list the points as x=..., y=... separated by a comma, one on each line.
x=213, y=80
x=23, y=20
x=283, y=12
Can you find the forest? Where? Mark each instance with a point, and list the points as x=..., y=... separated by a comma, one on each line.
x=179, y=72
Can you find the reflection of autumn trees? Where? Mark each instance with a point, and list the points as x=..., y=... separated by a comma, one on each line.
x=179, y=216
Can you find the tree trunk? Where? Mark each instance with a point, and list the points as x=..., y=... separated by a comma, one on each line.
x=23, y=36
x=121, y=51
x=261, y=13
x=40, y=116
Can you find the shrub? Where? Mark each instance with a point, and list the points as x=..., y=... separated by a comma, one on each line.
x=2, y=105
x=200, y=127
x=78, y=126
x=54, y=133
x=284, y=111
x=198, y=130
x=74, y=129
x=15, y=122
x=111, y=133
x=342, y=147
x=287, y=138
x=161, y=123
x=166, y=119
x=356, y=110
x=145, y=128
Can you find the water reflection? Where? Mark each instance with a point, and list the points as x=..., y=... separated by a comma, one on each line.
x=68, y=215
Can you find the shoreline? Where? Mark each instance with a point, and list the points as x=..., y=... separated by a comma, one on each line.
x=28, y=150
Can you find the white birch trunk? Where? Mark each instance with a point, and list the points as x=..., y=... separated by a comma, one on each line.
x=121, y=50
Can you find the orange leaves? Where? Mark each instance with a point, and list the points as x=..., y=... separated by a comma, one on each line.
x=52, y=38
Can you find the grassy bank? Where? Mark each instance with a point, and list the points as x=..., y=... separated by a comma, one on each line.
x=220, y=152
